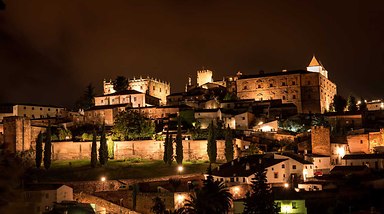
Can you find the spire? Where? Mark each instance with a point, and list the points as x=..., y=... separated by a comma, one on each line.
x=314, y=62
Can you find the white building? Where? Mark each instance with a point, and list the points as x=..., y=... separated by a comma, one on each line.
x=373, y=161
x=281, y=169
x=31, y=111
x=43, y=196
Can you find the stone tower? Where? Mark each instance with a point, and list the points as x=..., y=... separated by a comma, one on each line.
x=204, y=76
x=321, y=140
x=316, y=66
x=17, y=134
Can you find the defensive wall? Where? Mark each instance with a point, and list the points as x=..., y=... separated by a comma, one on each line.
x=145, y=149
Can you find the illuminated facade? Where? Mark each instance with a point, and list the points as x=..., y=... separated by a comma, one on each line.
x=310, y=90
x=154, y=87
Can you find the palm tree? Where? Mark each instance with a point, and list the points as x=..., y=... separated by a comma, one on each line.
x=213, y=197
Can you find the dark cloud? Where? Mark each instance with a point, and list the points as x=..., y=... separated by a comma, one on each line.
x=50, y=50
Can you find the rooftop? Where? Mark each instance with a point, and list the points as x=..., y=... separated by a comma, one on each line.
x=274, y=74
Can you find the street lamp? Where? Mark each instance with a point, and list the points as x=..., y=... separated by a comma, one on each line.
x=180, y=169
x=286, y=185
x=103, y=179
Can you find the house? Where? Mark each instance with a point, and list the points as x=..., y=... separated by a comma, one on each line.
x=373, y=161
x=42, y=197
x=322, y=163
x=130, y=98
x=31, y=111
x=281, y=169
x=205, y=116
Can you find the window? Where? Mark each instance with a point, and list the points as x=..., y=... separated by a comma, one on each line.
x=244, y=180
x=134, y=99
x=361, y=141
x=293, y=96
x=153, y=87
x=276, y=175
x=294, y=205
x=283, y=97
x=258, y=86
x=232, y=179
x=160, y=89
x=237, y=179
x=33, y=108
x=41, y=109
x=49, y=109
x=33, y=116
x=293, y=166
x=319, y=160
x=25, y=115
x=273, y=169
x=283, y=166
x=309, y=82
x=102, y=101
x=243, y=118
x=141, y=87
x=25, y=107
x=270, y=85
x=306, y=167
x=245, y=87
x=283, y=84
x=293, y=83
x=283, y=175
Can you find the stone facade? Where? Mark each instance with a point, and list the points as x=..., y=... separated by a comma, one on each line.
x=17, y=134
x=204, y=76
x=321, y=140
x=365, y=142
x=146, y=149
x=310, y=91
x=154, y=87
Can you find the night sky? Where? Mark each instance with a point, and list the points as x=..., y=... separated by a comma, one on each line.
x=50, y=50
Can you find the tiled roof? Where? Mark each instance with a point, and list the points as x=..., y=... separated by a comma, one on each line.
x=274, y=74
x=121, y=93
x=237, y=167
x=363, y=156
x=296, y=157
x=39, y=187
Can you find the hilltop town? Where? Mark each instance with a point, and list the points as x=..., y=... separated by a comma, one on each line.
x=139, y=145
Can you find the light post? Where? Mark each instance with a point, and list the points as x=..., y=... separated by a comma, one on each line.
x=103, y=179
x=180, y=169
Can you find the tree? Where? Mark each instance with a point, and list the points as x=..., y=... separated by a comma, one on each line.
x=94, y=151
x=87, y=101
x=158, y=206
x=213, y=197
x=132, y=125
x=179, y=143
x=352, y=106
x=363, y=105
x=120, y=84
x=170, y=150
x=166, y=145
x=339, y=103
x=228, y=145
x=39, y=150
x=103, y=150
x=211, y=144
x=260, y=200
x=47, y=148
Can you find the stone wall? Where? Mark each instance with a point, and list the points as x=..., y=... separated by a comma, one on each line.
x=102, y=206
x=17, y=134
x=146, y=149
x=321, y=140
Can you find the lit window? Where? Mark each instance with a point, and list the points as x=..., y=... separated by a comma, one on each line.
x=294, y=205
x=276, y=175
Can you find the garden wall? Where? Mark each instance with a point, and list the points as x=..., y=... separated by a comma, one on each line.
x=146, y=149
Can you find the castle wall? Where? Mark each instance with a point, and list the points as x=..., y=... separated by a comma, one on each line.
x=146, y=149
x=17, y=134
x=321, y=140
x=204, y=76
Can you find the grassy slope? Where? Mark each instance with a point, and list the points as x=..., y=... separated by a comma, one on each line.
x=80, y=170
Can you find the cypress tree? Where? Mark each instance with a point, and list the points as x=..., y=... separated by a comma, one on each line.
x=39, y=150
x=211, y=144
x=260, y=200
x=103, y=150
x=228, y=145
x=179, y=143
x=170, y=150
x=47, y=148
x=165, y=156
x=94, y=151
